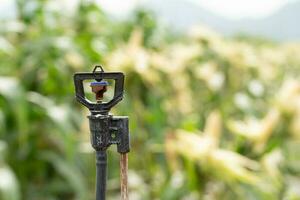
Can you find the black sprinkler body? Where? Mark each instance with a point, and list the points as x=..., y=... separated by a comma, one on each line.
x=105, y=129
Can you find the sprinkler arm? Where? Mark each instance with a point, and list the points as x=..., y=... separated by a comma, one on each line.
x=99, y=108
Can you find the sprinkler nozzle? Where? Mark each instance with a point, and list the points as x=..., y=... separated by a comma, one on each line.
x=99, y=88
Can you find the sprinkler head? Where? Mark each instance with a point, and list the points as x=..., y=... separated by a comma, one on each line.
x=99, y=88
x=105, y=128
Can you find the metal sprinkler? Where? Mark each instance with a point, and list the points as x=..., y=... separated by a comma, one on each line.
x=105, y=128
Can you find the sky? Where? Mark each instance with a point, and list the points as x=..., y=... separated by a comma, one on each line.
x=233, y=9
x=237, y=9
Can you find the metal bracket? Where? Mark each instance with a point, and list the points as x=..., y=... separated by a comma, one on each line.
x=107, y=130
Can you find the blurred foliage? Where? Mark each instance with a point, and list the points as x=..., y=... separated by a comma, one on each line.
x=211, y=117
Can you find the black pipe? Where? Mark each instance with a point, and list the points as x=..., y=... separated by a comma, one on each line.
x=101, y=165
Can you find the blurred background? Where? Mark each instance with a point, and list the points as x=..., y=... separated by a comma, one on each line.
x=212, y=92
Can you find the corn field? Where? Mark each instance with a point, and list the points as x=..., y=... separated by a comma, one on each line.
x=211, y=117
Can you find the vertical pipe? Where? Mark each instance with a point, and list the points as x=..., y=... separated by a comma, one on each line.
x=124, y=176
x=101, y=165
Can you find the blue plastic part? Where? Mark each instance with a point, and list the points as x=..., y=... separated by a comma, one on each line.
x=100, y=83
